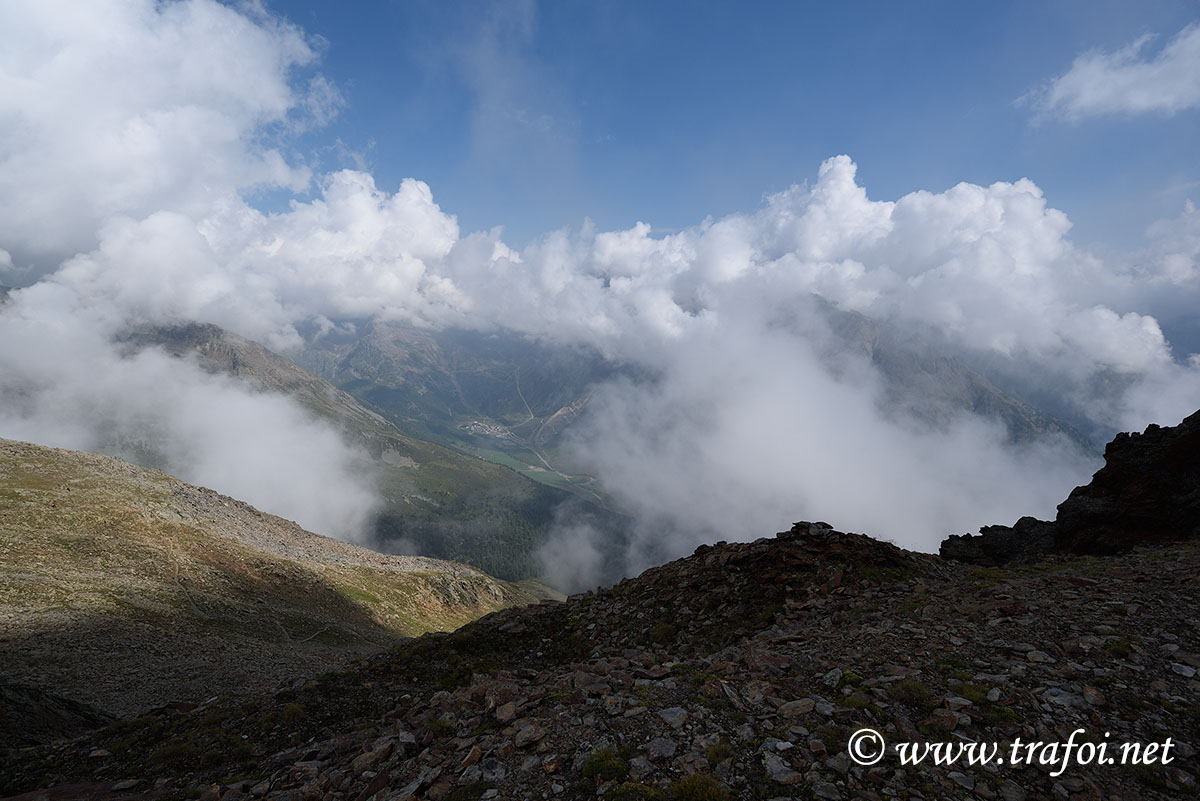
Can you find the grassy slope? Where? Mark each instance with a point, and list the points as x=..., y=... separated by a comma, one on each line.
x=126, y=588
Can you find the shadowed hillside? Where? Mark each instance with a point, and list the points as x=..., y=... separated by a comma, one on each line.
x=126, y=588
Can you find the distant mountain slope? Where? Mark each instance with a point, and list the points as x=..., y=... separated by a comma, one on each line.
x=439, y=502
x=498, y=395
x=125, y=588
x=507, y=398
x=934, y=385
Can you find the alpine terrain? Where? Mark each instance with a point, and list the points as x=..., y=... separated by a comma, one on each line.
x=741, y=672
x=125, y=589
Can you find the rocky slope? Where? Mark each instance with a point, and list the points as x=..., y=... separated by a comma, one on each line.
x=125, y=589
x=1147, y=492
x=739, y=672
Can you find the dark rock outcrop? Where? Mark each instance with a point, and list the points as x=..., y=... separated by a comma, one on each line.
x=1024, y=541
x=1147, y=492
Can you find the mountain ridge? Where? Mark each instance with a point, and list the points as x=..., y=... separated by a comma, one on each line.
x=106, y=563
x=438, y=501
x=775, y=651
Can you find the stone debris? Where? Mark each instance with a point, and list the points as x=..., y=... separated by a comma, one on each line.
x=744, y=668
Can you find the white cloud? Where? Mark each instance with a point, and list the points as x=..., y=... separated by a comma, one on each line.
x=130, y=107
x=990, y=268
x=123, y=127
x=573, y=558
x=1174, y=258
x=354, y=252
x=747, y=430
x=1128, y=80
x=747, y=427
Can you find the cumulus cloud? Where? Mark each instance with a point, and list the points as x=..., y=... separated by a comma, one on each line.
x=1173, y=261
x=123, y=127
x=353, y=252
x=989, y=267
x=1127, y=81
x=131, y=107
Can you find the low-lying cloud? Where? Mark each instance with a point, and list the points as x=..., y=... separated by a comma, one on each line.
x=68, y=383
x=757, y=414
x=748, y=429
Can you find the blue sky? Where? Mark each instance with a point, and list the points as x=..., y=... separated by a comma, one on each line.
x=535, y=116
